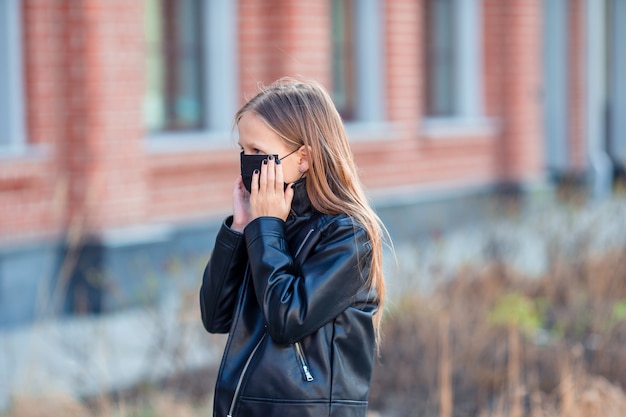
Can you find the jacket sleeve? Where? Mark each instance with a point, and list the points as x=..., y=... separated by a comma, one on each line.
x=296, y=301
x=222, y=278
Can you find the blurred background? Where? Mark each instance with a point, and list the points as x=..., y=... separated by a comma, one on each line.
x=490, y=134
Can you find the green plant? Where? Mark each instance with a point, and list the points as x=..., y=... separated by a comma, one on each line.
x=518, y=310
x=618, y=314
x=619, y=310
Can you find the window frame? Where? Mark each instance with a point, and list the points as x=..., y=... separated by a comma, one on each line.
x=369, y=72
x=220, y=83
x=342, y=74
x=12, y=89
x=370, y=62
x=469, y=117
x=617, y=125
x=556, y=72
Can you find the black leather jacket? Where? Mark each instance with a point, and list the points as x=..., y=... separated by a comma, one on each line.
x=292, y=297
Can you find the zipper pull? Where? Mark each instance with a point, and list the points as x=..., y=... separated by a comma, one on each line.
x=303, y=362
x=307, y=374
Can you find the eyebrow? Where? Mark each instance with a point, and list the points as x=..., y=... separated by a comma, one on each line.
x=252, y=145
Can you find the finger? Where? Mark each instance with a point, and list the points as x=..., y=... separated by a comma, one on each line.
x=271, y=173
x=241, y=189
x=254, y=187
x=280, y=182
x=289, y=195
x=239, y=185
x=263, y=177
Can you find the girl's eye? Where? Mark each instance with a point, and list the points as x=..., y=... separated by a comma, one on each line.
x=255, y=151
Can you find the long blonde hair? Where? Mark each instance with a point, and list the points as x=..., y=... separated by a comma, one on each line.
x=302, y=113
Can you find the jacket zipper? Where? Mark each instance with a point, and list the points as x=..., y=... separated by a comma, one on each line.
x=243, y=373
x=303, y=242
x=303, y=362
x=297, y=346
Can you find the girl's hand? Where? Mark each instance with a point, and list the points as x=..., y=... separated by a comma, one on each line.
x=268, y=196
x=241, y=206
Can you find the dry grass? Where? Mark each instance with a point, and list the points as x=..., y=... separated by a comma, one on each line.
x=547, y=347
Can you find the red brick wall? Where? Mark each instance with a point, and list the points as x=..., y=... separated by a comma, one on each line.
x=283, y=38
x=513, y=59
x=403, y=29
x=32, y=187
x=197, y=184
x=85, y=70
x=493, y=49
x=104, y=143
x=578, y=155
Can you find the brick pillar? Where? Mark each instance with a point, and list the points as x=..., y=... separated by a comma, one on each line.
x=521, y=156
x=300, y=39
x=104, y=144
x=404, y=60
x=578, y=153
x=285, y=38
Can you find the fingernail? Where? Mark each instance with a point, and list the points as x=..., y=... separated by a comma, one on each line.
x=256, y=171
x=265, y=162
x=271, y=157
x=277, y=161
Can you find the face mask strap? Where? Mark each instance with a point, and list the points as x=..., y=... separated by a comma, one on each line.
x=290, y=153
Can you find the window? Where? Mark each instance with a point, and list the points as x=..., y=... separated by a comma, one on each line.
x=12, y=121
x=440, y=59
x=343, y=58
x=452, y=57
x=191, y=62
x=617, y=85
x=174, y=38
x=357, y=60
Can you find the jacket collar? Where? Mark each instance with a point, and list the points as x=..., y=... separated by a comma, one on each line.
x=301, y=205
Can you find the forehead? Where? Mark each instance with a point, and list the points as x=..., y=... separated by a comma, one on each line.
x=254, y=132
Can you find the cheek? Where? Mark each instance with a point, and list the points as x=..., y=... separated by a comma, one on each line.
x=290, y=172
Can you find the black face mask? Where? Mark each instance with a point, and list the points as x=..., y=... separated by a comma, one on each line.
x=248, y=164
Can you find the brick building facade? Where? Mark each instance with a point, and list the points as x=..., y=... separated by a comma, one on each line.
x=439, y=95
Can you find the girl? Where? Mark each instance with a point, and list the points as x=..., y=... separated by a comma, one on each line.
x=296, y=276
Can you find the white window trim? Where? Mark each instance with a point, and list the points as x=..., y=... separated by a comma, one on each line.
x=220, y=83
x=445, y=127
x=618, y=122
x=470, y=118
x=12, y=115
x=555, y=90
x=470, y=51
x=369, y=55
x=600, y=163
